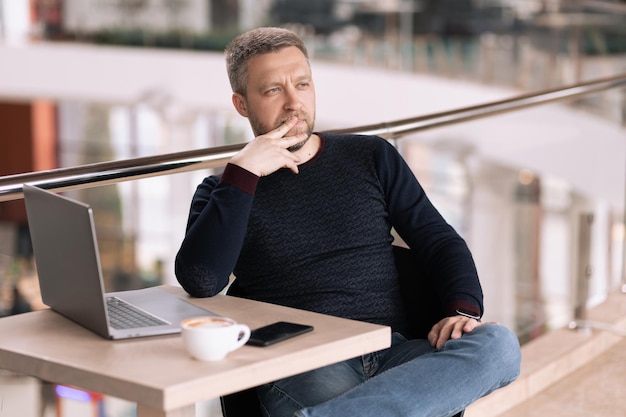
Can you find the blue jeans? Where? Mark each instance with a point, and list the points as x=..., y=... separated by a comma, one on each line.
x=410, y=379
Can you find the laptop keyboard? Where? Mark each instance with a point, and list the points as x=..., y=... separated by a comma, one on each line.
x=123, y=315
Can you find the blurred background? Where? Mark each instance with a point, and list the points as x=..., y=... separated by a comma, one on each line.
x=534, y=192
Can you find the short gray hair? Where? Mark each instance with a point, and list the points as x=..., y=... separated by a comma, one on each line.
x=252, y=43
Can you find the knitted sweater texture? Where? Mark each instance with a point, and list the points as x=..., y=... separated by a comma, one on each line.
x=321, y=240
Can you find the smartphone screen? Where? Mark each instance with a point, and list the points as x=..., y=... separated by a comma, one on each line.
x=277, y=332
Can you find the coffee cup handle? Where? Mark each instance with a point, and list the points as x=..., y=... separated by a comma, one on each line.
x=244, y=335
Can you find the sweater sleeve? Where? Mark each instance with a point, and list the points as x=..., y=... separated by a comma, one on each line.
x=437, y=246
x=216, y=228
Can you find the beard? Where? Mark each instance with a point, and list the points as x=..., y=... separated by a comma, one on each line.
x=258, y=128
x=299, y=145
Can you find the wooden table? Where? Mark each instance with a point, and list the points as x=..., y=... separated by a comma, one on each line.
x=157, y=373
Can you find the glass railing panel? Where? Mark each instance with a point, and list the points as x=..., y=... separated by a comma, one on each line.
x=522, y=229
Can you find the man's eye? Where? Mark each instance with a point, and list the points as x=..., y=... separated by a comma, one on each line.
x=272, y=90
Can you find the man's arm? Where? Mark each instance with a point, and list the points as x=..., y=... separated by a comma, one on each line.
x=434, y=243
x=216, y=229
x=446, y=255
x=220, y=208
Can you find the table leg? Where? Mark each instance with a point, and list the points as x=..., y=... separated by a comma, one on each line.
x=145, y=411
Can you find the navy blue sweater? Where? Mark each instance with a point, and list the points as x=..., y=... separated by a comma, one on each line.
x=321, y=240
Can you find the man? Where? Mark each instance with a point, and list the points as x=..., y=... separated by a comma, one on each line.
x=304, y=219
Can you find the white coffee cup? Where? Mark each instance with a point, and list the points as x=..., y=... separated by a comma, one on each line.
x=212, y=338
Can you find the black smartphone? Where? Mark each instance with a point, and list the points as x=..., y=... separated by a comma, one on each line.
x=277, y=332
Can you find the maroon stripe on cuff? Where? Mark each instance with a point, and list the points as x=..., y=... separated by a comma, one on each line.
x=462, y=305
x=240, y=178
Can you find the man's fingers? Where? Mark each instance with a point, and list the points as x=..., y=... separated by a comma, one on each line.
x=450, y=328
x=471, y=325
x=436, y=333
x=282, y=130
x=293, y=167
x=432, y=335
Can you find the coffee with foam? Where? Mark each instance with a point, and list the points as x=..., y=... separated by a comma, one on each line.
x=212, y=338
x=207, y=322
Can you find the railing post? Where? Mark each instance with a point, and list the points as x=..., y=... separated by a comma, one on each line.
x=583, y=270
x=623, y=286
x=583, y=275
x=623, y=108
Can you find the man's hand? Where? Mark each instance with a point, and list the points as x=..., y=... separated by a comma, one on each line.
x=268, y=153
x=451, y=328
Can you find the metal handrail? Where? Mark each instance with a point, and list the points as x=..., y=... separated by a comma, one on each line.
x=116, y=171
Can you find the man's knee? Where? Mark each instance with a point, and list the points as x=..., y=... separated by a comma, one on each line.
x=492, y=350
x=500, y=350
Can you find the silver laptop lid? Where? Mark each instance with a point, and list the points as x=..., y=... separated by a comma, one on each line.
x=70, y=277
x=67, y=257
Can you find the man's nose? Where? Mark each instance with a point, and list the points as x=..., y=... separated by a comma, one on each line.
x=292, y=100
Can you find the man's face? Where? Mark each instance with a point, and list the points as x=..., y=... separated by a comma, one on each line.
x=280, y=85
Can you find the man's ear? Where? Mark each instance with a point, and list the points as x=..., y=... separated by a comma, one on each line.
x=240, y=104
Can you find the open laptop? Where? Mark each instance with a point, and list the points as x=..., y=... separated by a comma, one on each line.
x=70, y=276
